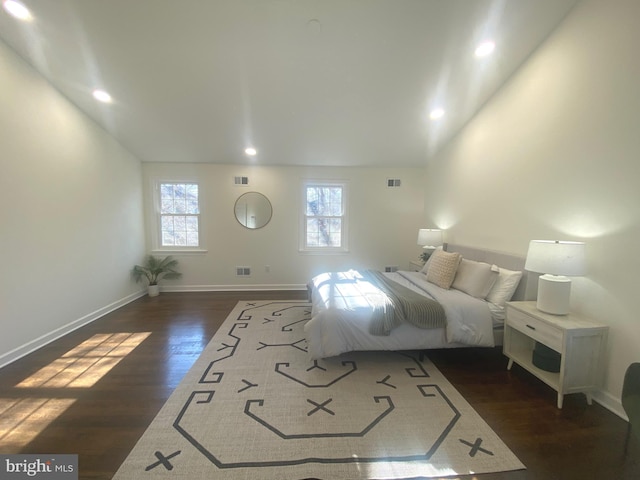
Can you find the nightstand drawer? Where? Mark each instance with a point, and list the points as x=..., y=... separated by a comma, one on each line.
x=535, y=328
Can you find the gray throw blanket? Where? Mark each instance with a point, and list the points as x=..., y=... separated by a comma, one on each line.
x=401, y=304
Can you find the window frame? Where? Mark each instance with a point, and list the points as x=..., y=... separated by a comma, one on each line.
x=344, y=233
x=156, y=240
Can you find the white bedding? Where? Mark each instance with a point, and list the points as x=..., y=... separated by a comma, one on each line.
x=341, y=315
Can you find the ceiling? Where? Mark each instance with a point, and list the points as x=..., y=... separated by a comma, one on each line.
x=305, y=82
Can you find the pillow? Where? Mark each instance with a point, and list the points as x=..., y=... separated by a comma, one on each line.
x=505, y=285
x=442, y=268
x=475, y=278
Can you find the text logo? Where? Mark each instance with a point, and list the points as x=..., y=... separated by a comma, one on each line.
x=50, y=467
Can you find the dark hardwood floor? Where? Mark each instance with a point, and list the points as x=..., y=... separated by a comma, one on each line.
x=94, y=392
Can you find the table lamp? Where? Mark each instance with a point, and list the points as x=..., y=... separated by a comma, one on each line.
x=556, y=260
x=429, y=239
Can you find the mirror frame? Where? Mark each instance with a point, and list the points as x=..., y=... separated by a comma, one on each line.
x=262, y=198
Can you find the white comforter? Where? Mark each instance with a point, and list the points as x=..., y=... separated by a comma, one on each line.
x=340, y=318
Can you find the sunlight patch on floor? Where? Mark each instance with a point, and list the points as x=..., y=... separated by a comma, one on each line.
x=87, y=363
x=429, y=470
x=397, y=470
x=22, y=420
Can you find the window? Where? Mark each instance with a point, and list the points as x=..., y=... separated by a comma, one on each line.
x=179, y=215
x=324, y=222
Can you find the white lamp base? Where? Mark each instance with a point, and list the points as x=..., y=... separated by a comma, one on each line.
x=554, y=293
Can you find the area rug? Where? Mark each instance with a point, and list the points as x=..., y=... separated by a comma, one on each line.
x=255, y=406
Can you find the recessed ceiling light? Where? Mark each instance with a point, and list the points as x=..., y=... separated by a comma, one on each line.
x=17, y=10
x=250, y=151
x=436, y=113
x=102, y=96
x=485, y=48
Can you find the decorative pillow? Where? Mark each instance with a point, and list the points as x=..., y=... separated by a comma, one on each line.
x=505, y=285
x=442, y=268
x=475, y=278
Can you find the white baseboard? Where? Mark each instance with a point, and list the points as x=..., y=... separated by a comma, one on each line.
x=610, y=402
x=43, y=340
x=231, y=288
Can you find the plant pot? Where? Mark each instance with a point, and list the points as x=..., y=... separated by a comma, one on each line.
x=153, y=290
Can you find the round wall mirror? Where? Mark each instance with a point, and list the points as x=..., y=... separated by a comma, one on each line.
x=253, y=210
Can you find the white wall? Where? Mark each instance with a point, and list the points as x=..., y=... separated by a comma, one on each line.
x=556, y=155
x=383, y=223
x=71, y=222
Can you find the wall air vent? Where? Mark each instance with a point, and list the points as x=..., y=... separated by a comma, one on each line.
x=242, y=181
x=393, y=182
x=391, y=268
x=243, y=271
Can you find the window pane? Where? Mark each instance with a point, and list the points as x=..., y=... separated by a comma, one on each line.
x=166, y=191
x=192, y=224
x=335, y=224
x=167, y=238
x=312, y=239
x=180, y=190
x=192, y=198
x=179, y=223
x=312, y=201
x=167, y=231
x=180, y=205
x=312, y=225
x=180, y=239
x=323, y=233
x=334, y=232
x=192, y=206
x=335, y=204
x=192, y=239
x=167, y=223
x=336, y=239
x=166, y=206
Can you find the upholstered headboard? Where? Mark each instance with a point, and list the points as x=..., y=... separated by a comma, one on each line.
x=528, y=286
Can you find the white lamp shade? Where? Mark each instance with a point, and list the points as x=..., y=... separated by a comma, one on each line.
x=556, y=257
x=429, y=237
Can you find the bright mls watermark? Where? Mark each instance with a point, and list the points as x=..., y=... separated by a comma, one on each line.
x=53, y=467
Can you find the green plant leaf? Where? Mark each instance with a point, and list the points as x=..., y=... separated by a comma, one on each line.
x=155, y=268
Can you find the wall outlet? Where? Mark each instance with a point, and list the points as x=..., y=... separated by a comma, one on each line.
x=391, y=268
x=243, y=271
x=267, y=268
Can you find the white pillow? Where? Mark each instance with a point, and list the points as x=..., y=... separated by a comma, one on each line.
x=475, y=278
x=505, y=286
x=442, y=268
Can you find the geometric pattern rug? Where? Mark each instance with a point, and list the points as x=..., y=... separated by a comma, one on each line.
x=255, y=406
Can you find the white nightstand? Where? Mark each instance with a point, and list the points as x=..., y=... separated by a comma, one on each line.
x=580, y=341
x=416, y=265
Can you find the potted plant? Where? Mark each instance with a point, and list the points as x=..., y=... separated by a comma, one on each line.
x=153, y=270
x=424, y=256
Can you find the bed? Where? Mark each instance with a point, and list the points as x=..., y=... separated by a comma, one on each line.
x=351, y=310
